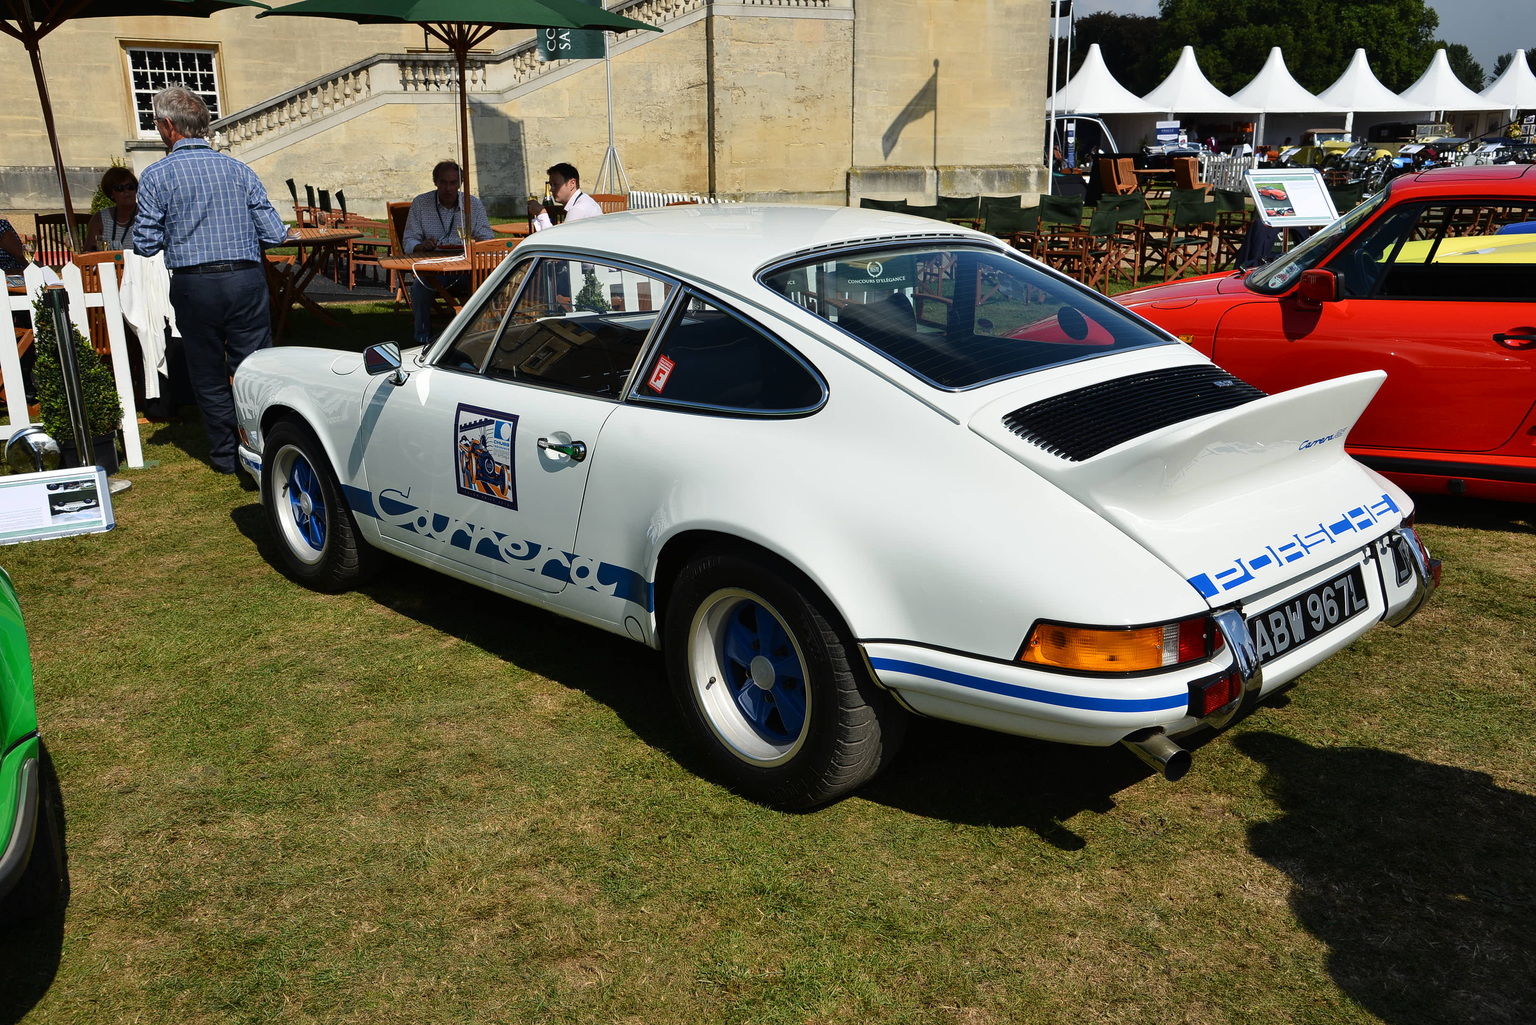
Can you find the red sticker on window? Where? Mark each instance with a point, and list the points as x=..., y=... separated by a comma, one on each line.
x=659, y=376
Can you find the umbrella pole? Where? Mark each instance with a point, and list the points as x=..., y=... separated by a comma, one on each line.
x=462, y=54
x=31, y=42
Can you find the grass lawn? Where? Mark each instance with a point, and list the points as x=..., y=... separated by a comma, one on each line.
x=424, y=803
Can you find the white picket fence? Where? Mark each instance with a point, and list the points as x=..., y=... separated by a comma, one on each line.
x=107, y=299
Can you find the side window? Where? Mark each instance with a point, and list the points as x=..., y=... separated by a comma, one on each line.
x=1468, y=250
x=468, y=351
x=710, y=357
x=578, y=326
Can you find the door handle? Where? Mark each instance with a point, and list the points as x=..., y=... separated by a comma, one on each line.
x=576, y=451
x=1516, y=341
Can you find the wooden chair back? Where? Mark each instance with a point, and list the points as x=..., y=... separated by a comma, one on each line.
x=91, y=265
x=398, y=212
x=1117, y=175
x=1186, y=173
x=485, y=255
x=611, y=204
x=54, y=247
x=686, y=202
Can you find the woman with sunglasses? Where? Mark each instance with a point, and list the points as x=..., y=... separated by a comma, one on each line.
x=111, y=226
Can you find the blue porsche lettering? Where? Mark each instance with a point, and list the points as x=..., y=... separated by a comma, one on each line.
x=395, y=508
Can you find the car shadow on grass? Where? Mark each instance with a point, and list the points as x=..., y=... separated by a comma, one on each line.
x=613, y=670
x=32, y=948
x=1475, y=513
x=1417, y=876
x=944, y=770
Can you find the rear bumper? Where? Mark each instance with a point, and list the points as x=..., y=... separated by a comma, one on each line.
x=1011, y=697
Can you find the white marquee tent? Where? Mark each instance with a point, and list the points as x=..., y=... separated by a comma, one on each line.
x=1094, y=90
x=1187, y=90
x=1359, y=89
x=1515, y=89
x=1439, y=89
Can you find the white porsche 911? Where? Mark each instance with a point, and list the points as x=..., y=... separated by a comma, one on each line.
x=843, y=466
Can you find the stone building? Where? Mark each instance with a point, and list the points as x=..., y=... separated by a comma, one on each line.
x=818, y=101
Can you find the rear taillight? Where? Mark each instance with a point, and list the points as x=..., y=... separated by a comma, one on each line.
x=1105, y=649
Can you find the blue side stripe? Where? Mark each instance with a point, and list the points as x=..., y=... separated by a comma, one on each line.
x=1166, y=703
x=360, y=499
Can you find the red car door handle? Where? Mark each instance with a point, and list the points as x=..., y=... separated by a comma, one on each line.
x=1515, y=341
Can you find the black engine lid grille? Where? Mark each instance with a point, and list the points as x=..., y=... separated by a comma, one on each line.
x=1080, y=424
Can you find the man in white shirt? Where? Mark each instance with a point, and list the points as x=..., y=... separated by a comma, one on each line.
x=435, y=225
x=565, y=187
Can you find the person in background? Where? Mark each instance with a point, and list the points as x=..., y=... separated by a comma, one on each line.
x=435, y=225
x=13, y=255
x=210, y=215
x=111, y=226
x=565, y=187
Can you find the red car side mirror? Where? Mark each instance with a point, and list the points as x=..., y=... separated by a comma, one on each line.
x=1320, y=286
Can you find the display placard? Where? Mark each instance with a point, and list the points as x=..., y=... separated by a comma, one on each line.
x=54, y=503
x=1291, y=197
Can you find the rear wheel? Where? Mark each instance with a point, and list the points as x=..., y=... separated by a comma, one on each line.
x=771, y=687
x=313, y=524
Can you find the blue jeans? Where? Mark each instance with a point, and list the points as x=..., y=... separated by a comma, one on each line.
x=422, y=297
x=223, y=318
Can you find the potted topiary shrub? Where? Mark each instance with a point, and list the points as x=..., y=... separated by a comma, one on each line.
x=103, y=409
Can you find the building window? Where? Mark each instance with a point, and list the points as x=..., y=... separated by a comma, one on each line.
x=153, y=69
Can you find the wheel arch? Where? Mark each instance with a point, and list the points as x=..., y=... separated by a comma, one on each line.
x=680, y=549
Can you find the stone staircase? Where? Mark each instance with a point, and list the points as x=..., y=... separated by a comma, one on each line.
x=268, y=127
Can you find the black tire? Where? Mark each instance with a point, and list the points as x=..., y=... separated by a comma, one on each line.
x=801, y=722
x=311, y=521
x=45, y=880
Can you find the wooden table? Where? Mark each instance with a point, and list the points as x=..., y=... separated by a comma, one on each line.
x=432, y=268
x=519, y=228
x=287, y=282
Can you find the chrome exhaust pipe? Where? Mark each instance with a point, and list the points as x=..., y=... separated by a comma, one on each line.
x=1161, y=754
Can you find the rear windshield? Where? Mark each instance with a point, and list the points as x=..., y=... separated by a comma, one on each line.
x=958, y=317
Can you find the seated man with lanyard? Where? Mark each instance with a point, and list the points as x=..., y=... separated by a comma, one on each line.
x=565, y=187
x=434, y=226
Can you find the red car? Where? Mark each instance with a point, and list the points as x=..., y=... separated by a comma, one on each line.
x=1433, y=280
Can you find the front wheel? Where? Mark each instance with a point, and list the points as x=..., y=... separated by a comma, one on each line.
x=313, y=524
x=770, y=686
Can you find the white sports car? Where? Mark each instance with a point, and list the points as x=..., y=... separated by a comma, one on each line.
x=842, y=466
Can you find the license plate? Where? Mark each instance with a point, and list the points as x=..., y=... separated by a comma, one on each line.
x=1308, y=615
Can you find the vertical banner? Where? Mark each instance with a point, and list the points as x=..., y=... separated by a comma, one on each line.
x=564, y=44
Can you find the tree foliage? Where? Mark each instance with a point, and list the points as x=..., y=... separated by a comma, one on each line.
x=1130, y=44
x=1232, y=38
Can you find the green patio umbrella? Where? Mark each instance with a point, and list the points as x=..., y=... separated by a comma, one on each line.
x=31, y=20
x=462, y=24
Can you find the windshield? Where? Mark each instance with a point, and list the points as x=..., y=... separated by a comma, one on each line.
x=1286, y=271
x=958, y=317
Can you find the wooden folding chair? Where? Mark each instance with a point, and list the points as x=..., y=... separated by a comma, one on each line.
x=1186, y=174
x=1114, y=242
x=1062, y=242
x=1117, y=176
x=1187, y=235
x=610, y=203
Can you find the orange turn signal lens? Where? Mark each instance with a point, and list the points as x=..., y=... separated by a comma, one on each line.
x=1105, y=650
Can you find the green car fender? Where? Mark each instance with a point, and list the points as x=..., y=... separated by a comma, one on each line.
x=20, y=748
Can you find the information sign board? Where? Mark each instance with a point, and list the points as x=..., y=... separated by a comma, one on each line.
x=54, y=503
x=1291, y=197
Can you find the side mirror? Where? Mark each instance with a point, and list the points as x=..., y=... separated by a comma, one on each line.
x=1320, y=286
x=384, y=359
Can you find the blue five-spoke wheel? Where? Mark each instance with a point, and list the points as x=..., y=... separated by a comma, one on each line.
x=307, y=523
x=749, y=677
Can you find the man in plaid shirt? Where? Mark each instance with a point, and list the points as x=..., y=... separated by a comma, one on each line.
x=210, y=215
